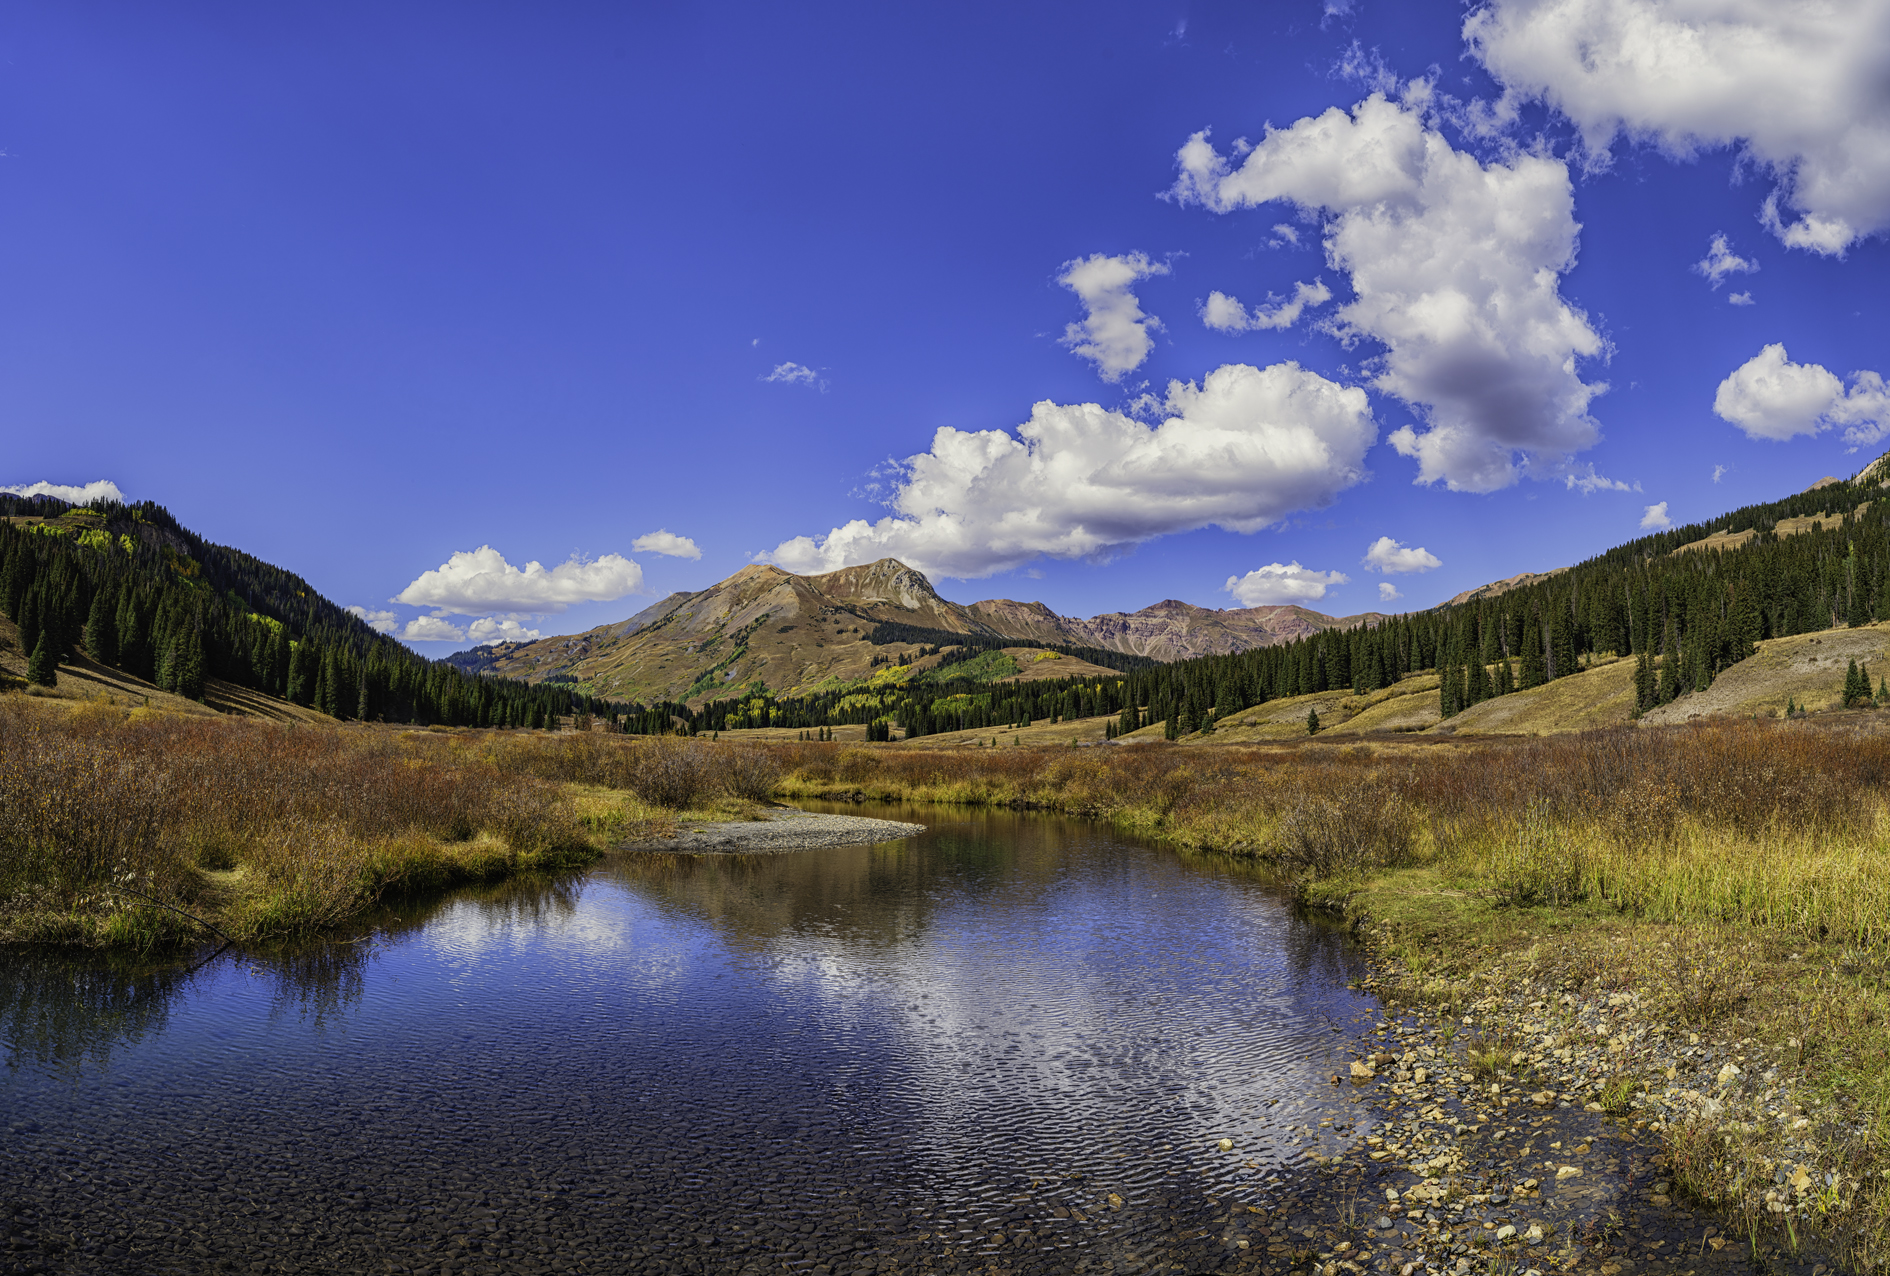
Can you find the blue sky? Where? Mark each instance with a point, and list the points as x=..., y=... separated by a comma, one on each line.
x=407, y=297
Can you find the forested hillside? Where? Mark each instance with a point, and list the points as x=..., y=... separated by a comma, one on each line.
x=137, y=591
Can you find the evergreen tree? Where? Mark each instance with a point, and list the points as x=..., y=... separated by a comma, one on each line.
x=133, y=636
x=1561, y=642
x=278, y=675
x=16, y=580
x=1312, y=721
x=26, y=617
x=325, y=686
x=42, y=667
x=1645, y=685
x=1856, y=605
x=101, y=627
x=167, y=666
x=190, y=663
x=1856, y=686
x=1503, y=682
x=1477, y=690
x=303, y=665
x=1670, y=668
x=1534, y=667
x=1744, y=626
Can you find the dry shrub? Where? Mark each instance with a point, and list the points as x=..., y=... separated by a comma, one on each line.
x=1700, y=977
x=746, y=773
x=855, y=765
x=1349, y=832
x=310, y=873
x=670, y=771
x=533, y=821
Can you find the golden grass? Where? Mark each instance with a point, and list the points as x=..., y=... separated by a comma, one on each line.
x=1602, y=696
x=120, y=827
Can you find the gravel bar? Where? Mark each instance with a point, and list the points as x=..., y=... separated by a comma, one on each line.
x=779, y=829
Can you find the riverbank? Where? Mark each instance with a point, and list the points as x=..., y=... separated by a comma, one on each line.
x=1714, y=897
x=1749, y=1061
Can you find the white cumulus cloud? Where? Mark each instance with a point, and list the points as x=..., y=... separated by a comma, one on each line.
x=432, y=629
x=1654, y=517
x=490, y=629
x=1241, y=450
x=667, y=543
x=1114, y=335
x=1720, y=261
x=1455, y=267
x=791, y=373
x=1770, y=397
x=1225, y=314
x=381, y=622
x=1798, y=85
x=1388, y=592
x=481, y=580
x=1390, y=557
x=1740, y=298
x=1281, y=583
x=84, y=494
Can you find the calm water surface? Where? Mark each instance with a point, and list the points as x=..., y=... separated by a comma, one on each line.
x=946, y=1053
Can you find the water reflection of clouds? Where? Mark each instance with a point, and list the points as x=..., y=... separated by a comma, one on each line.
x=1113, y=1006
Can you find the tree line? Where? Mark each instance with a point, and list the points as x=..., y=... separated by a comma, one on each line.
x=133, y=589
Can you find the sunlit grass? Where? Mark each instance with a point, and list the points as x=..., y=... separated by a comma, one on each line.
x=145, y=830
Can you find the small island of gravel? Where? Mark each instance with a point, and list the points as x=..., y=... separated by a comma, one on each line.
x=777, y=829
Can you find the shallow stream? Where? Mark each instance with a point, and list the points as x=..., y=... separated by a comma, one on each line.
x=1013, y=1041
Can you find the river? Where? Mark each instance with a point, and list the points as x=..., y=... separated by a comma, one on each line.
x=1014, y=1042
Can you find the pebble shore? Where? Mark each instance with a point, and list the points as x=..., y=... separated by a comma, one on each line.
x=1550, y=1162
x=779, y=829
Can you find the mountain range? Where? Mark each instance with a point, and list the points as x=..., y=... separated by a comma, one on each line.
x=765, y=627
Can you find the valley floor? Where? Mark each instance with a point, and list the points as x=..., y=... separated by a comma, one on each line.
x=1712, y=893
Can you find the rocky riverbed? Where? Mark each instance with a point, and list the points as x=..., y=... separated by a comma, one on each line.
x=1527, y=1131
x=778, y=829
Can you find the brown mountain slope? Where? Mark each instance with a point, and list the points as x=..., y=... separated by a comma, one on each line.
x=762, y=625
x=1168, y=630
x=792, y=633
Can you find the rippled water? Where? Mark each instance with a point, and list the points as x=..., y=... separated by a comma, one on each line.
x=944, y=1052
